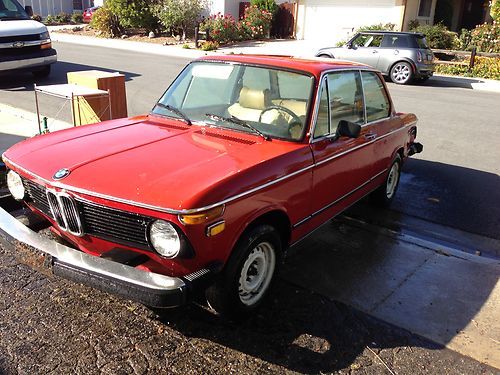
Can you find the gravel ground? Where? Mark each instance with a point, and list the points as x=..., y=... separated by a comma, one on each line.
x=52, y=326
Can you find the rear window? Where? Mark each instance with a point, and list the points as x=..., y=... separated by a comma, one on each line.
x=422, y=43
x=396, y=41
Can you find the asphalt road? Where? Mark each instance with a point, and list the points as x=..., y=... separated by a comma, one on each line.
x=455, y=182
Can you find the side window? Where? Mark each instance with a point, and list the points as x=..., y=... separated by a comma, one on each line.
x=396, y=41
x=367, y=40
x=322, y=123
x=376, y=99
x=346, y=98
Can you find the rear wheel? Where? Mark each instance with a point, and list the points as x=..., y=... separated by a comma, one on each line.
x=248, y=275
x=384, y=195
x=326, y=56
x=401, y=73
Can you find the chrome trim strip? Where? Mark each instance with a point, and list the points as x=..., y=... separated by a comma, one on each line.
x=338, y=200
x=59, y=196
x=157, y=208
x=359, y=146
x=29, y=43
x=91, y=263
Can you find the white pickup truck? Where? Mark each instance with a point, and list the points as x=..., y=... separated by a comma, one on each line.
x=24, y=44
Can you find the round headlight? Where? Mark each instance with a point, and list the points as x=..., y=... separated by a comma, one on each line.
x=15, y=185
x=164, y=238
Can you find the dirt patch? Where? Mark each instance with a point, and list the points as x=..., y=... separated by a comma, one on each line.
x=133, y=35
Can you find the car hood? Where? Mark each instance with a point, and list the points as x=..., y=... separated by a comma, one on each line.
x=21, y=27
x=155, y=162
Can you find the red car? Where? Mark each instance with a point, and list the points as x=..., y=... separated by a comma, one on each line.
x=88, y=13
x=241, y=158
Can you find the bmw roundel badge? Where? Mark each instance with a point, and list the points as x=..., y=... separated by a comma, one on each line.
x=61, y=173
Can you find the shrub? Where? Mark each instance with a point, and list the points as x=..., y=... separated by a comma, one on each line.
x=134, y=13
x=63, y=17
x=77, y=18
x=484, y=67
x=50, y=20
x=438, y=36
x=495, y=11
x=106, y=22
x=268, y=5
x=36, y=17
x=486, y=37
x=179, y=14
x=209, y=45
x=256, y=22
x=378, y=26
x=222, y=29
x=465, y=40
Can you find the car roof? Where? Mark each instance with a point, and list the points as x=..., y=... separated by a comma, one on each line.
x=391, y=32
x=312, y=65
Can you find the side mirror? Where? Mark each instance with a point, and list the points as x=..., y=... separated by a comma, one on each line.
x=348, y=129
x=28, y=9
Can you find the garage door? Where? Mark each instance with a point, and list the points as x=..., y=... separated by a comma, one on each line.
x=333, y=20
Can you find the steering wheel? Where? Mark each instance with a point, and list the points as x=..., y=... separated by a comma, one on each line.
x=282, y=109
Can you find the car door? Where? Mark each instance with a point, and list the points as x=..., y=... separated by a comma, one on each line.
x=365, y=49
x=391, y=50
x=342, y=165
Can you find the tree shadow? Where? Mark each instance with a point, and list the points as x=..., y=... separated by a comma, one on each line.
x=24, y=80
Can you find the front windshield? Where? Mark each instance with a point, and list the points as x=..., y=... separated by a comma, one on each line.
x=11, y=10
x=266, y=101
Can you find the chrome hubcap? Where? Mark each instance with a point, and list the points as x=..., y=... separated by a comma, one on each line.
x=256, y=273
x=401, y=73
x=392, y=180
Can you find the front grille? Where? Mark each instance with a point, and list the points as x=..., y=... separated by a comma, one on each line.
x=65, y=212
x=82, y=217
x=37, y=197
x=19, y=38
x=119, y=226
x=20, y=51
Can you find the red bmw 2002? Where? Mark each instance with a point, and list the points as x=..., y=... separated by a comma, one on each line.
x=242, y=157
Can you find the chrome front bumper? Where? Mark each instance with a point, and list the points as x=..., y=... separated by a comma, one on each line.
x=149, y=288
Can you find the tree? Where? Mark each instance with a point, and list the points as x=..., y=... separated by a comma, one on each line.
x=179, y=14
x=134, y=13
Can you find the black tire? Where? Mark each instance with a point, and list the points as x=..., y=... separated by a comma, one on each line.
x=326, y=56
x=401, y=73
x=252, y=252
x=43, y=72
x=384, y=195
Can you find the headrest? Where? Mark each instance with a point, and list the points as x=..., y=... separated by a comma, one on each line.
x=256, y=99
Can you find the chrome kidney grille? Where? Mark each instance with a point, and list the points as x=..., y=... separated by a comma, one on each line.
x=65, y=212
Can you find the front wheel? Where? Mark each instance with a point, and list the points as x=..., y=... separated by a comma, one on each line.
x=248, y=274
x=401, y=73
x=384, y=195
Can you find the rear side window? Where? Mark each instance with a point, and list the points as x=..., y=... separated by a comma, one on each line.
x=422, y=43
x=376, y=100
x=346, y=98
x=396, y=41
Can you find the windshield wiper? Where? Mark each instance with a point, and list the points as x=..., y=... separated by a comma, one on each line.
x=237, y=121
x=177, y=111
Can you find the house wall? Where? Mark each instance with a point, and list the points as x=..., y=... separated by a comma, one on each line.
x=412, y=14
x=53, y=7
x=334, y=20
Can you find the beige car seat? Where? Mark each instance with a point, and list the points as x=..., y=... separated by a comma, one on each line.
x=251, y=104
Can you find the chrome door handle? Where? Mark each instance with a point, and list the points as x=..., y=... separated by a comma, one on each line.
x=370, y=136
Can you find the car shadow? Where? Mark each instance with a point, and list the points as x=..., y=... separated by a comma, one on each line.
x=24, y=81
x=7, y=140
x=321, y=315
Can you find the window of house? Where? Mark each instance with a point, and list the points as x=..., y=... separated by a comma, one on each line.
x=377, y=103
x=424, y=8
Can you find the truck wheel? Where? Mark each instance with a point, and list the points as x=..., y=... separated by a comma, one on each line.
x=247, y=277
x=384, y=195
x=43, y=72
x=401, y=73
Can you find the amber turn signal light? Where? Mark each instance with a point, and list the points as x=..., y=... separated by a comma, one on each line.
x=202, y=217
x=216, y=228
x=46, y=45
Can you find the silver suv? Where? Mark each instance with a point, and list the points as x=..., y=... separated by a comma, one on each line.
x=403, y=57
